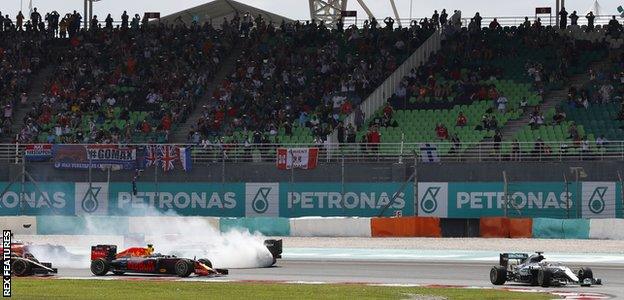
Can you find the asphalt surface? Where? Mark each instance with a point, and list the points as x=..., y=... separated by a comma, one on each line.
x=474, y=274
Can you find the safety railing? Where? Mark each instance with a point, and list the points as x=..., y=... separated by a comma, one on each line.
x=545, y=20
x=430, y=152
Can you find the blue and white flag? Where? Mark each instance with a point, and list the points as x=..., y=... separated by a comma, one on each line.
x=185, y=158
x=429, y=153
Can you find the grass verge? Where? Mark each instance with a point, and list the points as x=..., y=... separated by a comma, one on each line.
x=24, y=288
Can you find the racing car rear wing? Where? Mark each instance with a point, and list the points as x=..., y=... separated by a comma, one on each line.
x=505, y=257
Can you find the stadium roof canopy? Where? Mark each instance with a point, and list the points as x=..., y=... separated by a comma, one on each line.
x=216, y=10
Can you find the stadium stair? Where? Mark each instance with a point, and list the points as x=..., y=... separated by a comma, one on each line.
x=552, y=99
x=34, y=95
x=227, y=68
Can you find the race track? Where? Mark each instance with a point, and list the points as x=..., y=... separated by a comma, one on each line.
x=473, y=274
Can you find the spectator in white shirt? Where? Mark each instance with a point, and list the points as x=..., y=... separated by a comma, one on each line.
x=502, y=103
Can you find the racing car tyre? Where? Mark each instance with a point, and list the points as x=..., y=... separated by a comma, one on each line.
x=184, y=268
x=498, y=275
x=99, y=267
x=544, y=277
x=206, y=262
x=585, y=273
x=21, y=267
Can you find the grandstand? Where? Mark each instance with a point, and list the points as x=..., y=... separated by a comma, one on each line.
x=228, y=73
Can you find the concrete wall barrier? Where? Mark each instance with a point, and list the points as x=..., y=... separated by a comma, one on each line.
x=560, y=228
x=266, y=226
x=74, y=225
x=169, y=225
x=19, y=225
x=330, y=227
x=609, y=229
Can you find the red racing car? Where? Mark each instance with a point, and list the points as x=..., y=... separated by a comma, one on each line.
x=104, y=259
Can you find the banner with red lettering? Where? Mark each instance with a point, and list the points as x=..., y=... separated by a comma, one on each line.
x=297, y=158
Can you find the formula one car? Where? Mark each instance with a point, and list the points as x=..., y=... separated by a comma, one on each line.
x=104, y=258
x=534, y=270
x=24, y=263
x=275, y=247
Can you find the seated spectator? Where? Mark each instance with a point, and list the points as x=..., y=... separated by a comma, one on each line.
x=524, y=104
x=461, y=120
x=559, y=117
x=441, y=132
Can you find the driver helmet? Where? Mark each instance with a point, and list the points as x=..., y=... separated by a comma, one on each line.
x=150, y=249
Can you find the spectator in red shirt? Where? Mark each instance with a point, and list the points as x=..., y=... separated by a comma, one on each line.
x=442, y=132
x=388, y=110
x=373, y=137
x=145, y=127
x=166, y=123
x=461, y=120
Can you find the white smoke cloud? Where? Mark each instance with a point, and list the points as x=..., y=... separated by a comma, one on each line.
x=189, y=237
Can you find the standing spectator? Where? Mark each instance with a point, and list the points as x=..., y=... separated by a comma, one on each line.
x=614, y=27
x=601, y=142
x=574, y=19
x=494, y=25
x=435, y=18
x=585, y=146
x=35, y=18
x=477, y=21
x=389, y=23
x=443, y=17
x=515, y=150
x=359, y=118
x=501, y=103
x=340, y=129
x=109, y=22
x=350, y=134
x=124, y=20
x=373, y=139
x=498, y=138
x=590, y=21
x=19, y=21
x=563, y=18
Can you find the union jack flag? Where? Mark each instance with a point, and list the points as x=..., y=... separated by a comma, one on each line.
x=169, y=156
x=151, y=157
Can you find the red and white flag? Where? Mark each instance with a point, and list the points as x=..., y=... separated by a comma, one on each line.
x=297, y=158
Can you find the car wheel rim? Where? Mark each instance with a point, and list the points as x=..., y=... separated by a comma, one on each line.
x=182, y=268
x=98, y=267
x=18, y=267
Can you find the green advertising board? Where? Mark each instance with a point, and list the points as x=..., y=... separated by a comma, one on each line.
x=288, y=200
